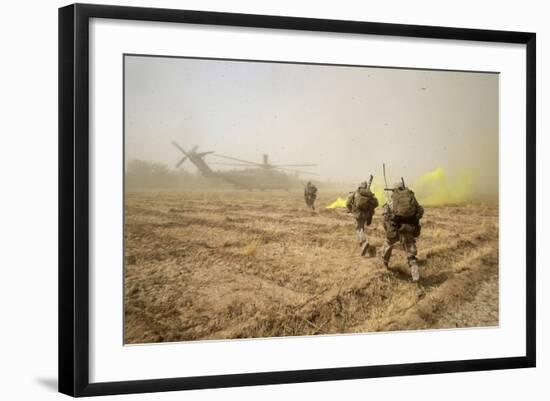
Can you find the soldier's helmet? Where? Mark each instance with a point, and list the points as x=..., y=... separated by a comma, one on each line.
x=398, y=185
x=363, y=184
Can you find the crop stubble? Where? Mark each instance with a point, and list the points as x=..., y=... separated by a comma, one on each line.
x=239, y=264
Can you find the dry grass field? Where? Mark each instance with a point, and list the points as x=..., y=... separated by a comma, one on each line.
x=242, y=264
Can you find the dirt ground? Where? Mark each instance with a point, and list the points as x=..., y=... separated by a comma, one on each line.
x=240, y=264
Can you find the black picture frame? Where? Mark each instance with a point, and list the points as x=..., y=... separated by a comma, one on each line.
x=74, y=198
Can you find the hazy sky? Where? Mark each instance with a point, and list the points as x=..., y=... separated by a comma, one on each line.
x=348, y=120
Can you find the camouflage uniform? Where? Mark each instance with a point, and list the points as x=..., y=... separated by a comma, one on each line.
x=404, y=231
x=362, y=217
x=310, y=194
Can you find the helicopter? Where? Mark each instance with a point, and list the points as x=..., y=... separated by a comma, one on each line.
x=254, y=175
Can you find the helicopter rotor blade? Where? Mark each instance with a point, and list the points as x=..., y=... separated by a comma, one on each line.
x=292, y=165
x=202, y=154
x=181, y=162
x=238, y=160
x=231, y=164
x=180, y=148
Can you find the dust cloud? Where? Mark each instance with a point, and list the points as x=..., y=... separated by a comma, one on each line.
x=439, y=130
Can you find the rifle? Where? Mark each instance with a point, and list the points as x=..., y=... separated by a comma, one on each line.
x=370, y=182
x=385, y=182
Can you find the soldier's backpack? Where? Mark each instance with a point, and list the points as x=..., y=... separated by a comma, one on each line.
x=404, y=203
x=364, y=199
x=310, y=191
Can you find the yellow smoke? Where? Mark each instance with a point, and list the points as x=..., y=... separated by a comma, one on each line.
x=340, y=202
x=378, y=191
x=434, y=188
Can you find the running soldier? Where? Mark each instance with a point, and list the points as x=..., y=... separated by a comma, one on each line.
x=361, y=203
x=401, y=219
x=310, y=194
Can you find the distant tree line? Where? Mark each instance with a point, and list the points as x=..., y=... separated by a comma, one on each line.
x=142, y=174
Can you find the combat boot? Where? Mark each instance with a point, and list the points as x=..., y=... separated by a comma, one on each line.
x=385, y=261
x=365, y=248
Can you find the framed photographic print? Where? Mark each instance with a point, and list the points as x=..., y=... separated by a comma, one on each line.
x=251, y=199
